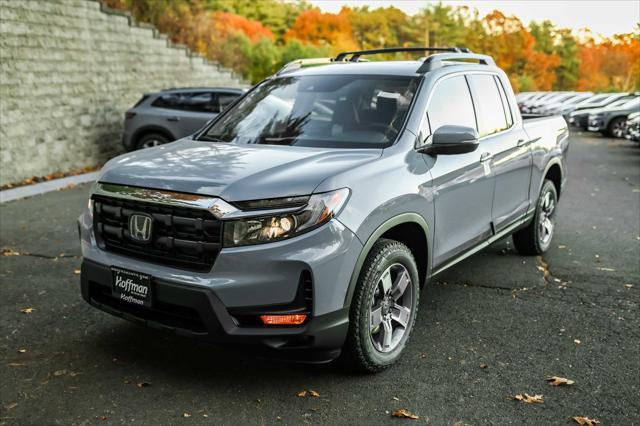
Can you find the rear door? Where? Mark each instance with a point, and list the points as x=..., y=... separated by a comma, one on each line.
x=463, y=190
x=504, y=150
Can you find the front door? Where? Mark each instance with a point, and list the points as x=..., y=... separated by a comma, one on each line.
x=463, y=190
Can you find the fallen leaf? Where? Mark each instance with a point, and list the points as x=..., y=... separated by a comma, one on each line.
x=205, y=415
x=423, y=356
x=585, y=421
x=278, y=418
x=76, y=271
x=404, y=414
x=103, y=418
x=22, y=350
x=576, y=341
x=15, y=364
x=562, y=246
x=314, y=393
x=628, y=286
x=143, y=385
x=559, y=381
x=302, y=394
x=27, y=310
x=59, y=373
x=395, y=398
x=11, y=406
x=186, y=415
x=484, y=366
x=9, y=252
x=529, y=399
x=606, y=269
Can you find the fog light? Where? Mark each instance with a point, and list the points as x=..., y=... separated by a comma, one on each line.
x=293, y=319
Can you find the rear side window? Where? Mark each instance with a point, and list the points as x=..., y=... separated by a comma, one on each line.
x=451, y=104
x=224, y=99
x=489, y=107
x=195, y=102
x=505, y=104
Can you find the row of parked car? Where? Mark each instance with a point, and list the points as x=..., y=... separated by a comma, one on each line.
x=612, y=114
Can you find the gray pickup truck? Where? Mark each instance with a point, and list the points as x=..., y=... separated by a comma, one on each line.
x=308, y=215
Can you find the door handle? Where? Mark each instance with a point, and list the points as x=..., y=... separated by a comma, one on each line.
x=173, y=118
x=486, y=156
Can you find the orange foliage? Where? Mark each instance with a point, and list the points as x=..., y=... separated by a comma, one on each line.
x=226, y=23
x=317, y=28
x=512, y=47
x=613, y=63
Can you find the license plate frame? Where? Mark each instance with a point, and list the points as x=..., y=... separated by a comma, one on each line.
x=131, y=287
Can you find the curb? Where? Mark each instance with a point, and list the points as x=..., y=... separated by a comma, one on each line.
x=44, y=187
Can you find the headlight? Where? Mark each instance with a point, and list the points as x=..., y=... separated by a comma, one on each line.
x=265, y=229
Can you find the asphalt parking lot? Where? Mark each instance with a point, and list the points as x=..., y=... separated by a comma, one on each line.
x=573, y=313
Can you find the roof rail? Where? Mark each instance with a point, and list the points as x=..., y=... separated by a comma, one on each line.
x=355, y=55
x=301, y=63
x=435, y=61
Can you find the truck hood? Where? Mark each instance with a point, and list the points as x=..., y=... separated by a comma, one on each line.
x=233, y=172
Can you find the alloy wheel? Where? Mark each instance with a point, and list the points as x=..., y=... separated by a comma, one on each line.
x=390, y=308
x=545, y=220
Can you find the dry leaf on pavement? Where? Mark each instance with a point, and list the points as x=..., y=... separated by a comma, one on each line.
x=302, y=394
x=11, y=406
x=22, y=350
x=404, y=414
x=314, y=393
x=529, y=399
x=59, y=373
x=577, y=341
x=143, y=384
x=559, y=381
x=483, y=366
x=76, y=271
x=27, y=310
x=628, y=286
x=585, y=421
x=186, y=414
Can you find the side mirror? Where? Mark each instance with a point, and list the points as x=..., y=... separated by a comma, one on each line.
x=449, y=140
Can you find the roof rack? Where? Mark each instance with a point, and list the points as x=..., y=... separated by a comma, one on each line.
x=301, y=63
x=355, y=55
x=430, y=62
x=435, y=61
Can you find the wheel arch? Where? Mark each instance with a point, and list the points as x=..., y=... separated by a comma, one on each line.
x=408, y=228
x=555, y=173
x=145, y=130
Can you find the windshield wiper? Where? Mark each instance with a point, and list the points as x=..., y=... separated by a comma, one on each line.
x=210, y=139
x=287, y=140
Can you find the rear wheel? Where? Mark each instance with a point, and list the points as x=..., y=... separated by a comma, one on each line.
x=384, y=307
x=536, y=237
x=616, y=127
x=150, y=140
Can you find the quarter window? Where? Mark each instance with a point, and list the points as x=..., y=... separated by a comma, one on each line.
x=489, y=107
x=451, y=104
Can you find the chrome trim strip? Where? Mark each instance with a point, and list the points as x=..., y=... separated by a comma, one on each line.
x=219, y=208
x=483, y=245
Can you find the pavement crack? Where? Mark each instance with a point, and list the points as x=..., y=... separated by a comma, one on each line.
x=7, y=252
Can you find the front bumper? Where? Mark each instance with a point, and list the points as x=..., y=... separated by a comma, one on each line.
x=595, y=125
x=205, y=305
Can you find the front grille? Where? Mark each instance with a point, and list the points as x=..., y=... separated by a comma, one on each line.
x=183, y=237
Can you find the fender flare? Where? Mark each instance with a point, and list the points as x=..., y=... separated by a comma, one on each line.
x=554, y=161
x=388, y=224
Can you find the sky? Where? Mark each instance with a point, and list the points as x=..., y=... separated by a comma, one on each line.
x=605, y=17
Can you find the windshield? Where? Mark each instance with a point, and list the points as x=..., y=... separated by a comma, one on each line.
x=337, y=111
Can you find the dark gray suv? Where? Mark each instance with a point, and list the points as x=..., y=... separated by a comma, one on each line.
x=172, y=114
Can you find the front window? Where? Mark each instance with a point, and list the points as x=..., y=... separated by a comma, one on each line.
x=336, y=111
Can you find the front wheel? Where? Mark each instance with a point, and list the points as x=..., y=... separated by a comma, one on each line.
x=384, y=307
x=536, y=237
x=616, y=128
